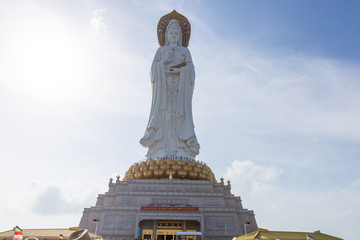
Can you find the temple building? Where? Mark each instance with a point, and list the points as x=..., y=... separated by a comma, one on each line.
x=160, y=208
x=170, y=195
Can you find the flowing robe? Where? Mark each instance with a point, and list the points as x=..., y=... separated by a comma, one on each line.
x=170, y=130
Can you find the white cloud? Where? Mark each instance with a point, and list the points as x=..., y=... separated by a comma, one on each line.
x=51, y=201
x=97, y=23
x=247, y=175
x=280, y=207
x=249, y=171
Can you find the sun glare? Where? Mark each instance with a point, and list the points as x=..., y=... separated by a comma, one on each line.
x=47, y=59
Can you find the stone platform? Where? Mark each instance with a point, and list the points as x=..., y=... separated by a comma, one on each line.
x=158, y=208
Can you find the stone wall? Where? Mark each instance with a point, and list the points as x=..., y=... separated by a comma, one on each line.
x=219, y=213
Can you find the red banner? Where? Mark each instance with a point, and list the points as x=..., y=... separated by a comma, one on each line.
x=170, y=208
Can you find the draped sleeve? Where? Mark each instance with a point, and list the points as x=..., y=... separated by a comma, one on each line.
x=184, y=106
x=158, y=106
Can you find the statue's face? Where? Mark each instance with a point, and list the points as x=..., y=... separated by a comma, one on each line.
x=173, y=35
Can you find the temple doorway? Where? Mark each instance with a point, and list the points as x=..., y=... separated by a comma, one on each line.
x=167, y=229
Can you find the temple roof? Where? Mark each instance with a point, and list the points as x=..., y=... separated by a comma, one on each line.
x=262, y=233
x=44, y=233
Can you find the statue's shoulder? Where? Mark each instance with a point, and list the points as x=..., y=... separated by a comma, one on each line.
x=159, y=52
x=161, y=48
x=184, y=49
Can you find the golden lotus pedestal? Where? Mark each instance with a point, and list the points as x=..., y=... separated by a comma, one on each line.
x=161, y=169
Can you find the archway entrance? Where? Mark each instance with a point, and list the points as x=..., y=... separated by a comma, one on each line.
x=168, y=229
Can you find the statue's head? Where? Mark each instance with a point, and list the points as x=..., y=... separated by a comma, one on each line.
x=169, y=20
x=173, y=33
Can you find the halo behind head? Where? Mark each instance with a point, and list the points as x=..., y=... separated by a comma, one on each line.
x=183, y=23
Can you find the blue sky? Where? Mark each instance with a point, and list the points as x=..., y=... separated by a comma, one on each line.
x=276, y=105
x=320, y=27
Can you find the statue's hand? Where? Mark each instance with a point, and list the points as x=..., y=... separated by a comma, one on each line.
x=174, y=70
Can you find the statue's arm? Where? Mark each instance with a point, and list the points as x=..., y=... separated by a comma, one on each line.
x=189, y=63
x=156, y=61
x=188, y=58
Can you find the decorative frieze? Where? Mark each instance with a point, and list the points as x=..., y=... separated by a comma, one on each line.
x=165, y=201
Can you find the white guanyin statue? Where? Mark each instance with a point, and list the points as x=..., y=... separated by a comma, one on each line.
x=170, y=130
